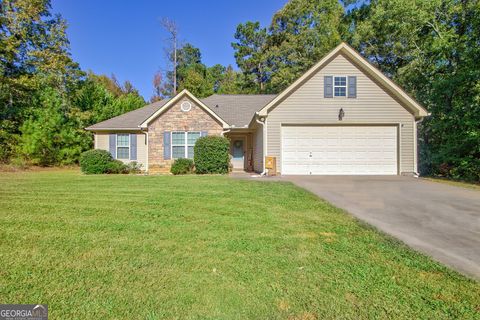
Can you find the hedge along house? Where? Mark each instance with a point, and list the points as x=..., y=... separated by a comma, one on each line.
x=343, y=116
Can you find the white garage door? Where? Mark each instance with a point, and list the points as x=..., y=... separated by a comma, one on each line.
x=339, y=150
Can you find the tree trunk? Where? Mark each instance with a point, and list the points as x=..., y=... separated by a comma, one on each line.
x=175, y=65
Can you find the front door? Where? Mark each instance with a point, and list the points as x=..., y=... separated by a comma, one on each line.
x=237, y=154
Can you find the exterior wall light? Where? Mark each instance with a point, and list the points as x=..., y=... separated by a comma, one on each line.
x=341, y=114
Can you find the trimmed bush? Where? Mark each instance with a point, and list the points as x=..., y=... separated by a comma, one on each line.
x=211, y=155
x=117, y=166
x=182, y=166
x=100, y=161
x=95, y=161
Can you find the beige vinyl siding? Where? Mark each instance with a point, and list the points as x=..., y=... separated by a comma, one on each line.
x=102, y=142
x=306, y=105
x=258, y=148
x=142, y=150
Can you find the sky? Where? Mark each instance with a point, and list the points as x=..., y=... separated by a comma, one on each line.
x=125, y=38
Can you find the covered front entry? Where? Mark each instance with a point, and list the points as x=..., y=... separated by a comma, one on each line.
x=340, y=150
x=241, y=150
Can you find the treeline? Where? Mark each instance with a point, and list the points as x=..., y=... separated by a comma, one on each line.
x=430, y=47
x=45, y=99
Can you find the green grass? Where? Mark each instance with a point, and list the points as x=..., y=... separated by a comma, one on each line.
x=468, y=185
x=193, y=247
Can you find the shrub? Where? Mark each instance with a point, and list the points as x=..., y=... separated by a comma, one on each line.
x=95, y=161
x=100, y=161
x=134, y=167
x=182, y=166
x=117, y=166
x=211, y=155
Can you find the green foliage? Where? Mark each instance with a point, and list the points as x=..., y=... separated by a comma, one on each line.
x=117, y=166
x=100, y=162
x=8, y=140
x=196, y=77
x=48, y=136
x=430, y=47
x=301, y=33
x=134, y=167
x=45, y=99
x=211, y=155
x=95, y=161
x=100, y=98
x=251, y=54
x=182, y=166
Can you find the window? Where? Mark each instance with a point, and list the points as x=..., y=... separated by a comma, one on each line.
x=123, y=146
x=183, y=143
x=340, y=86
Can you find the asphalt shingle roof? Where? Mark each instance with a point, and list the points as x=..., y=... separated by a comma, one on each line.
x=130, y=120
x=235, y=109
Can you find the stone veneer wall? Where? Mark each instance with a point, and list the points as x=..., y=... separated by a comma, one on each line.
x=174, y=119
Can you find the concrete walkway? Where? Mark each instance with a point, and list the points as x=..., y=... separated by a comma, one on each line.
x=440, y=220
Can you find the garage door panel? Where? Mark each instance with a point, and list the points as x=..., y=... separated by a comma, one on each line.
x=339, y=150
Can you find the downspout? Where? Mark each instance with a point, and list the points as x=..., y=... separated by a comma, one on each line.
x=416, y=174
x=225, y=131
x=146, y=143
x=264, y=143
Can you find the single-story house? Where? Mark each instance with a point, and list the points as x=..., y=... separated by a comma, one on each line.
x=343, y=116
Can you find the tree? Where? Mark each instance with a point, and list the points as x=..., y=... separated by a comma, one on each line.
x=301, y=33
x=430, y=47
x=251, y=54
x=34, y=52
x=171, y=27
x=192, y=75
x=227, y=80
x=47, y=137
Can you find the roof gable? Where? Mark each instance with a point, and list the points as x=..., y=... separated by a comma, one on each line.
x=365, y=66
x=174, y=100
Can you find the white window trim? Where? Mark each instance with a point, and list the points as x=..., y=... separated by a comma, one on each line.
x=117, y=146
x=345, y=86
x=185, y=145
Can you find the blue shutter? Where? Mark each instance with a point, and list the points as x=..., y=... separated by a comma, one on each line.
x=112, y=144
x=352, y=86
x=204, y=133
x=328, y=87
x=133, y=146
x=166, y=145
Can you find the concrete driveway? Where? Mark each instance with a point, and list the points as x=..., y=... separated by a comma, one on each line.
x=440, y=220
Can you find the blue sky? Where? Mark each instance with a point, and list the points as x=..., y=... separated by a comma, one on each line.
x=125, y=37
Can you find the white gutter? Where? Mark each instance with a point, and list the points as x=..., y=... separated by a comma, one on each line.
x=146, y=160
x=415, y=140
x=225, y=131
x=264, y=144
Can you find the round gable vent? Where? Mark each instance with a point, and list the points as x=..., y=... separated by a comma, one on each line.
x=186, y=106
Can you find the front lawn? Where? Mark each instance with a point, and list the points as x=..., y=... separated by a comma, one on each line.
x=207, y=247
